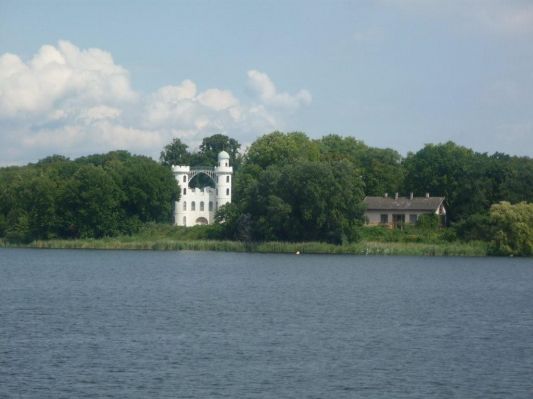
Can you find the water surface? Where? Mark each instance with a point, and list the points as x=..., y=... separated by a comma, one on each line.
x=133, y=324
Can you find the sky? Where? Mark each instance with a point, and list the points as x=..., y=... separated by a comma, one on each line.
x=81, y=77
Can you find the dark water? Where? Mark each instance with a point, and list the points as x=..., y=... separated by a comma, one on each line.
x=118, y=324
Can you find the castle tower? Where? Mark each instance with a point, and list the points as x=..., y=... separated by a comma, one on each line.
x=199, y=205
x=223, y=173
x=181, y=173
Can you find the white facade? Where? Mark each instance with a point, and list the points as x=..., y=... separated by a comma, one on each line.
x=198, y=206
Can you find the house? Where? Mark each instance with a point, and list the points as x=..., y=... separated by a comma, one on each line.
x=397, y=211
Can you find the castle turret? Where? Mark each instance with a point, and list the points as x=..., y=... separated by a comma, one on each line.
x=223, y=174
x=181, y=173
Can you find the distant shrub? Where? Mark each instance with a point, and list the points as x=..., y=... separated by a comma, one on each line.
x=428, y=221
x=513, y=229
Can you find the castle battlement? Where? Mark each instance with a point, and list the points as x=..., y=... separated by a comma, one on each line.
x=180, y=169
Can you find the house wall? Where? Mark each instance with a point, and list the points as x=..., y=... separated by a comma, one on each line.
x=374, y=217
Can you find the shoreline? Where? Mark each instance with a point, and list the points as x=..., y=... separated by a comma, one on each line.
x=359, y=248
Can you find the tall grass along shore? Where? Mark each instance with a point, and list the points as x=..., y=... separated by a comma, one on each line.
x=360, y=248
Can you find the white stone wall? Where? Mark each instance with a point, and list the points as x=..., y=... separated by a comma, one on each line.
x=197, y=206
x=187, y=214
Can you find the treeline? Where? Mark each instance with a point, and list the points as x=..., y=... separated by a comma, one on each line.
x=90, y=197
x=290, y=187
x=287, y=187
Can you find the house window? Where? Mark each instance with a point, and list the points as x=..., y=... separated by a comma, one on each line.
x=227, y=191
x=184, y=179
x=184, y=191
x=201, y=206
x=184, y=221
x=413, y=218
x=193, y=206
x=226, y=164
x=398, y=220
x=216, y=205
x=227, y=179
x=184, y=205
x=384, y=218
x=210, y=206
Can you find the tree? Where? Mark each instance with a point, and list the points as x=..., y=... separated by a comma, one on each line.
x=289, y=194
x=452, y=171
x=175, y=153
x=149, y=190
x=91, y=204
x=380, y=169
x=280, y=149
x=210, y=148
x=513, y=229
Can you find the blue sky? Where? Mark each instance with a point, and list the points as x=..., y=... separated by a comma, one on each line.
x=79, y=77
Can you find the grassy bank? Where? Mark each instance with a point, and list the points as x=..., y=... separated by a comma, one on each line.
x=360, y=248
x=200, y=238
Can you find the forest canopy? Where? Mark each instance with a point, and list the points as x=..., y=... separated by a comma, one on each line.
x=90, y=197
x=286, y=187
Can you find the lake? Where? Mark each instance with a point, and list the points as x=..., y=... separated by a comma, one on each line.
x=134, y=324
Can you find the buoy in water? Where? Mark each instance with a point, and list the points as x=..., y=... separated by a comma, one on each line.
x=297, y=252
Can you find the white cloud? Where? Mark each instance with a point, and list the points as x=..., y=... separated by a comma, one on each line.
x=59, y=75
x=263, y=85
x=508, y=17
x=73, y=101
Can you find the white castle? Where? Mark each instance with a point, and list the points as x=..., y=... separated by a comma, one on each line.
x=198, y=205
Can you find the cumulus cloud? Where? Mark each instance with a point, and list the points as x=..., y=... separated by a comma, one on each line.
x=269, y=95
x=73, y=101
x=58, y=75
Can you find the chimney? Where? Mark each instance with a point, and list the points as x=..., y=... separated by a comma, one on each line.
x=386, y=195
x=396, y=196
x=427, y=195
x=411, y=196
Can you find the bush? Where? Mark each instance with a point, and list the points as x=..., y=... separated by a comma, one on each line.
x=513, y=229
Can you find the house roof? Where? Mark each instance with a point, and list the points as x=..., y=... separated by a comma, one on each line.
x=403, y=203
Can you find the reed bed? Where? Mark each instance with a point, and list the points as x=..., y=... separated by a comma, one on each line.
x=360, y=248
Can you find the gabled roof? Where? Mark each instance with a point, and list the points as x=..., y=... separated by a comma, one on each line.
x=403, y=203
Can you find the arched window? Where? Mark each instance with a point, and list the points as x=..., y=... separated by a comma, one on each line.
x=227, y=191
x=216, y=205
x=193, y=206
x=210, y=206
x=227, y=179
x=184, y=205
x=218, y=178
x=226, y=164
x=184, y=191
x=217, y=191
x=184, y=178
x=201, y=206
x=184, y=221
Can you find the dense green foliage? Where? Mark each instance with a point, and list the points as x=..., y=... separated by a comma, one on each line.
x=285, y=190
x=286, y=187
x=94, y=196
x=470, y=181
x=177, y=153
x=513, y=229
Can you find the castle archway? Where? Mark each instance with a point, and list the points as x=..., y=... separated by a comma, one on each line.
x=201, y=220
x=200, y=178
